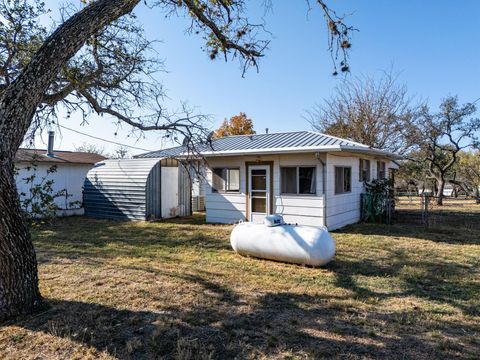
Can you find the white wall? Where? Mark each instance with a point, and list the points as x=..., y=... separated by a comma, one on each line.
x=67, y=176
x=341, y=209
x=344, y=209
x=231, y=207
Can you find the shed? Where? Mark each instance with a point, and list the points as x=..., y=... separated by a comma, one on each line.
x=137, y=189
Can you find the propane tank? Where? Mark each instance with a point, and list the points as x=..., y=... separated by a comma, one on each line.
x=275, y=240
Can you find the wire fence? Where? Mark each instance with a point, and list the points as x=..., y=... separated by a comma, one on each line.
x=428, y=211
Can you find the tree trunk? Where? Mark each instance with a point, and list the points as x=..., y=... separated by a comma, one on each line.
x=19, y=292
x=441, y=186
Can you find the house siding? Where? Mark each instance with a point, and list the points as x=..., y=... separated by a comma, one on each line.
x=231, y=207
x=344, y=209
x=340, y=209
x=69, y=177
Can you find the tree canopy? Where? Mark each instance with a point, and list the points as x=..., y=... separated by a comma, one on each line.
x=375, y=111
x=441, y=137
x=237, y=125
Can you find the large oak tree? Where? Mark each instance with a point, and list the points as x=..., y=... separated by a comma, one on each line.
x=95, y=61
x=442, y=136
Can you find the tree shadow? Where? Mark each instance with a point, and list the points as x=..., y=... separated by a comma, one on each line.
x=441, y=234
x=442, y=282
x=256, y=325
x=275, y=325
x=106, y=238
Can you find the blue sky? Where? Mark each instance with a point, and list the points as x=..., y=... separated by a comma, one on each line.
x=433, y=44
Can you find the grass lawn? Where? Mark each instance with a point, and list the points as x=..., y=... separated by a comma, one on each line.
x=177, y=290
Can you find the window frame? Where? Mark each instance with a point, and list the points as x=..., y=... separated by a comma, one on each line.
x=361, y=170
x=297, y=178
x=343, y=180
x=227, y=180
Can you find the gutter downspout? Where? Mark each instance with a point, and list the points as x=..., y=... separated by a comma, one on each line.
x=324, y=178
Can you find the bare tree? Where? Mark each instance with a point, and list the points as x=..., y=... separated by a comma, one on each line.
x=91, y=149
x=442, y=136
x=373, y=111
x=96, y=61
x=121, y=152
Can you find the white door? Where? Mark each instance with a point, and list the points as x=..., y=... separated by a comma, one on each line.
x=259, y=192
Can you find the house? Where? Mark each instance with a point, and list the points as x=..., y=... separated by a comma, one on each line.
x=448, y=190
x=308, y=177
x=71, y=169
x=138, y=189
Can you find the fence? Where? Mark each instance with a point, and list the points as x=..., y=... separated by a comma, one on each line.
x=377, y=208
x=424, y=210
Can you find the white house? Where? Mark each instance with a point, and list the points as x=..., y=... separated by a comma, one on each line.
x=71, y=169
x=308, y=177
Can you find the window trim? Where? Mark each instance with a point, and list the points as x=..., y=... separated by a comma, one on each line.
x=343, y=174
x=361, y=169
x=216, y=191
x=297, y=177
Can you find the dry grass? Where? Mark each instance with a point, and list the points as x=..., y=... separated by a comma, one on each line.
x=454, y=212
x=177, y=290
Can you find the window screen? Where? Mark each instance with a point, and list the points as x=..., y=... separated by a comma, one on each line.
x=343, y=180
x=233, y=183
x=364, y=174
x=306, y=180
x=298, y=180
x=381, y=171
x=289, y=180
x=225, y=179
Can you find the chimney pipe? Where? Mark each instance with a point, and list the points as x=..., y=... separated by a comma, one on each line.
x=266, y=130
x=51, y=137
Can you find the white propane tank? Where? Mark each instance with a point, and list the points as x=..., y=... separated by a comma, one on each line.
x=305, y=245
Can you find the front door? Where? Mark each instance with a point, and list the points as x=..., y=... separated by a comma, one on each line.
x=259, y=192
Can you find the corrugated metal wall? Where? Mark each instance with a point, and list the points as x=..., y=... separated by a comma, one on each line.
x=153, y=193
x=184, y=190
x=131, y=189
x=117, y=189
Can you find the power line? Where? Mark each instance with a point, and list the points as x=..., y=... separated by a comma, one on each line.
x=97, y=138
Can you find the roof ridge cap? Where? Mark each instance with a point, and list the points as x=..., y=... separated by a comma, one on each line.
x=338, y=138
x=270, y=133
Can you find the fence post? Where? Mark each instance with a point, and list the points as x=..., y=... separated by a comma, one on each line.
x=425, y=200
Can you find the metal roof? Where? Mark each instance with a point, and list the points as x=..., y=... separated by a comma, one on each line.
x=299, y=141
x=60, y=157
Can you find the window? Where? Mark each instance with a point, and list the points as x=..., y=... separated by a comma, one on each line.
x=381, y=170
x=298, y=180
x=343, y=180
x=226, y=180
x=289, y=180
x=364, y=174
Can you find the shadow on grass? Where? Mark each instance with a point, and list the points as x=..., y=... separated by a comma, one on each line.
x=278, y=324
x=107, y=238
x=440, y=281
x=440, y=233
x=257, y=325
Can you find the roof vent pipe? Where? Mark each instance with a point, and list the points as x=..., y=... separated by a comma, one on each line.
x=51, y=137
x=266, y=130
